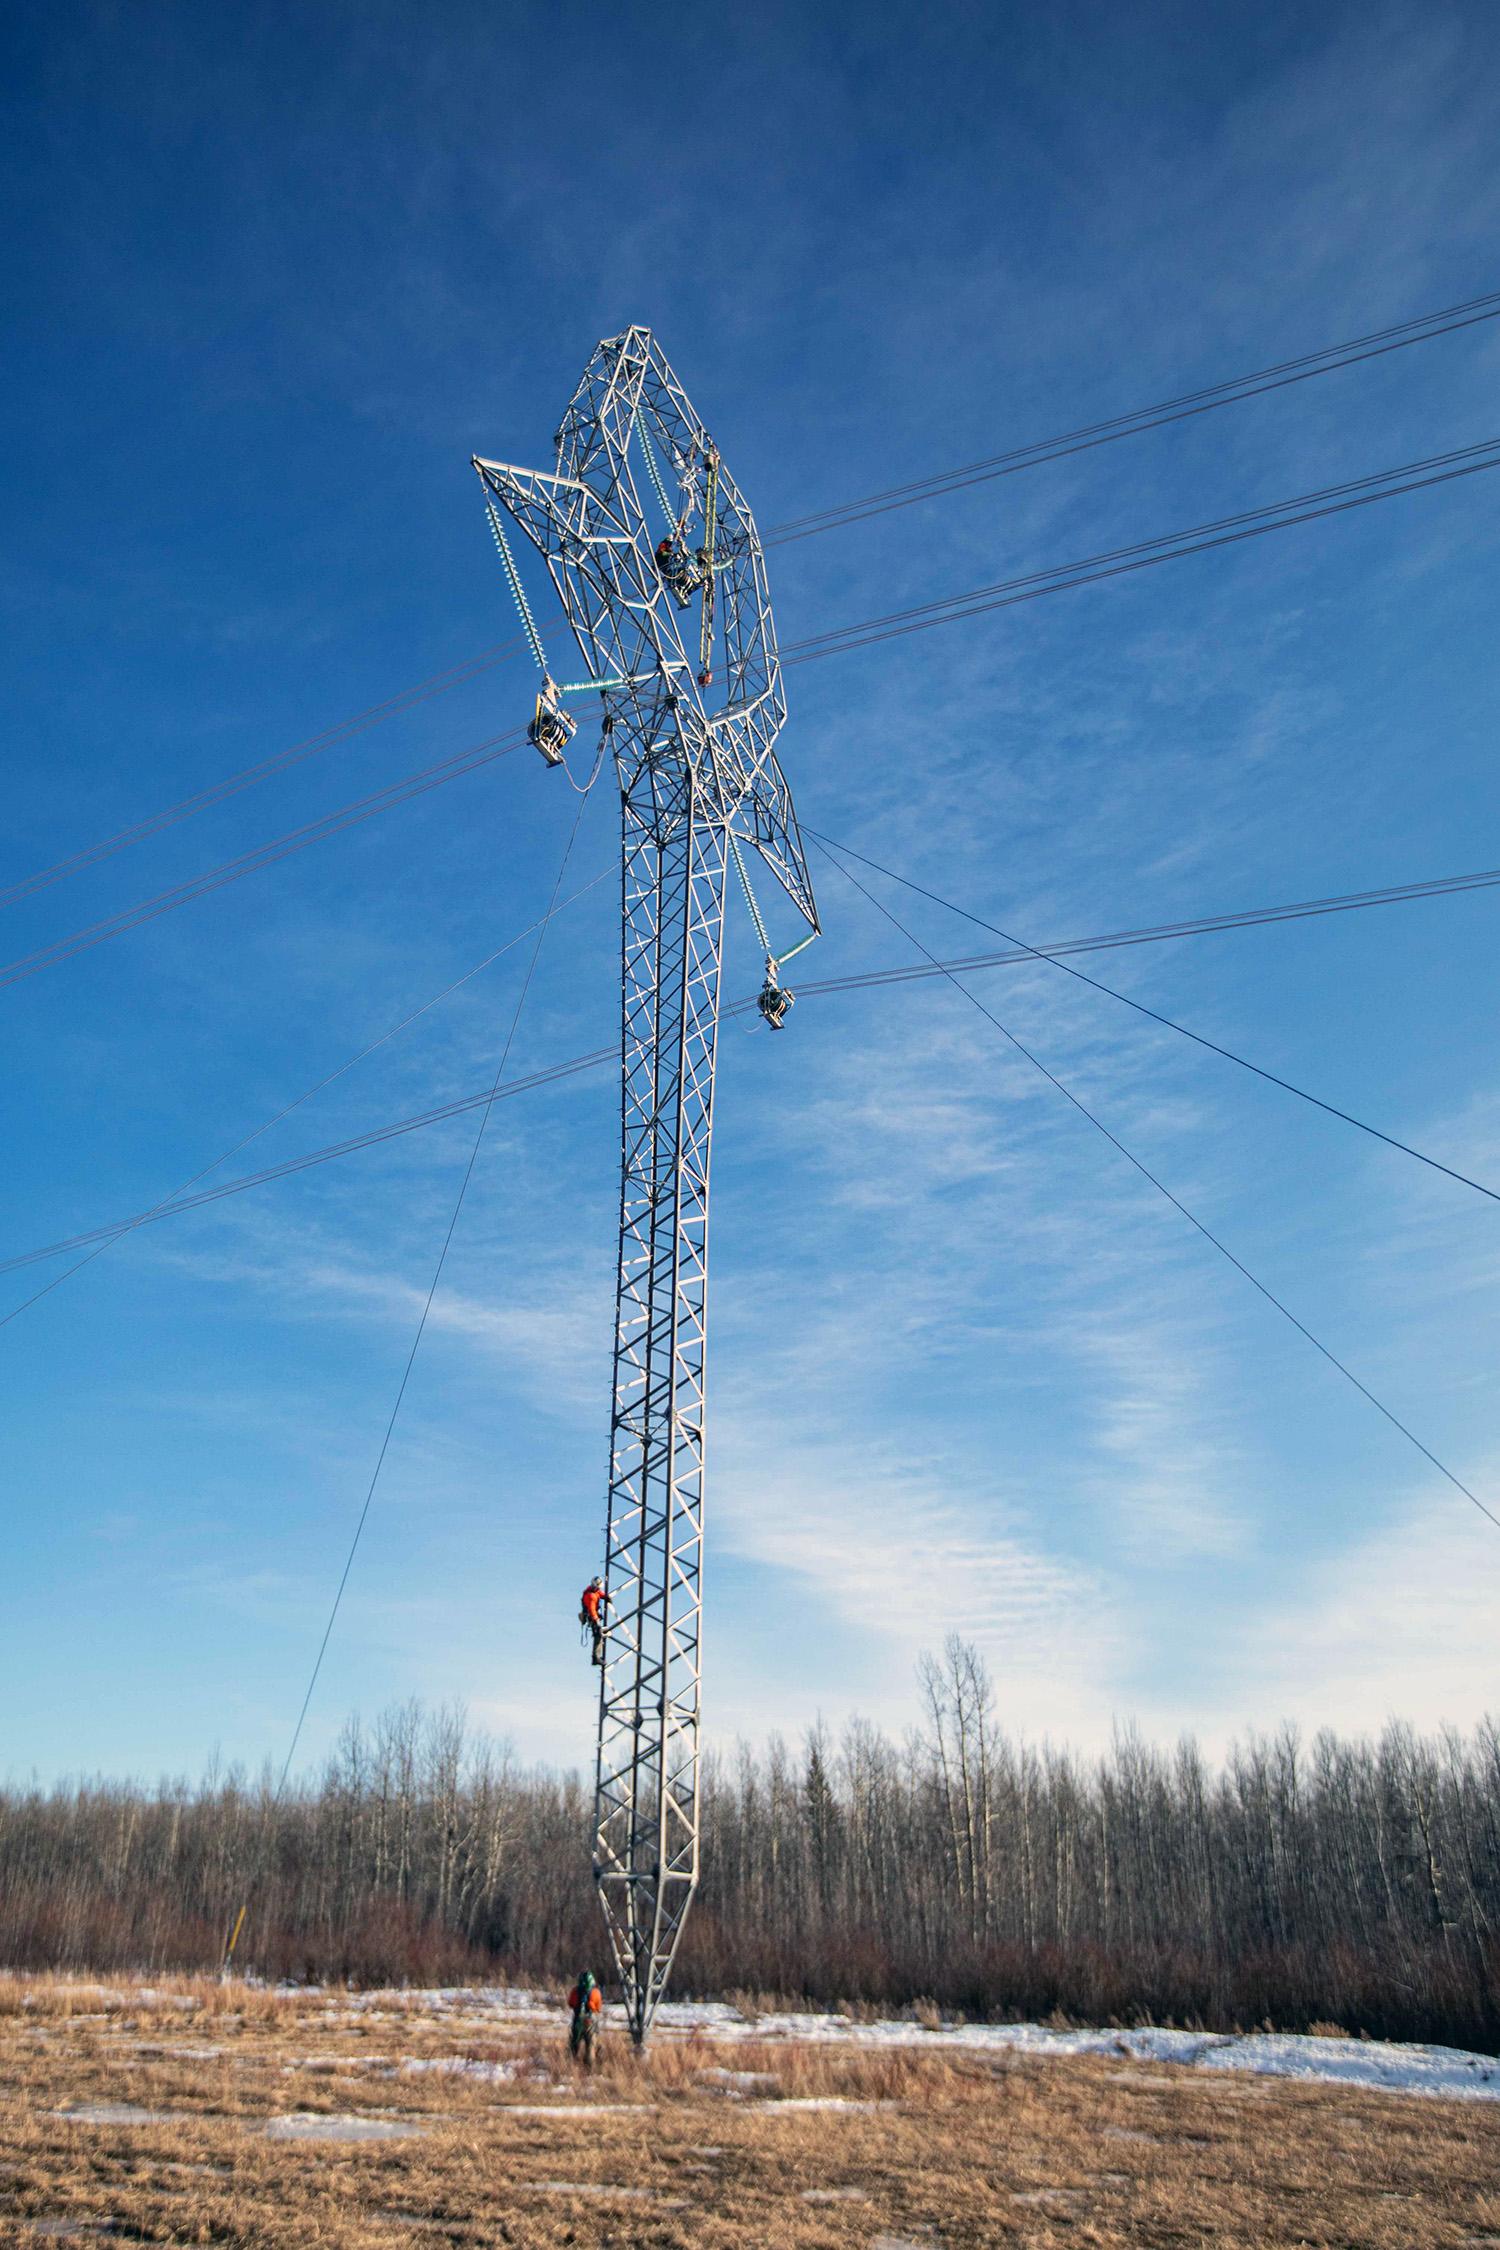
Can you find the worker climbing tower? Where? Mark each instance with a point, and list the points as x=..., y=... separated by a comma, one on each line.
x=658, y=566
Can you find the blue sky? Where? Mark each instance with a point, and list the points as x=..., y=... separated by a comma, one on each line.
x=273, y=274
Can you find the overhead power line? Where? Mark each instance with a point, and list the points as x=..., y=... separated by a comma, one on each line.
x=1444, y=886
x=1145, y=554
x=1061, y=578
x=1393, y=894
x=1327, y=361
x=372, y=1139
x=1162, y=1189
x=104, y=1238
x=1169, y=1023
x=342, y=730
x=265, y=855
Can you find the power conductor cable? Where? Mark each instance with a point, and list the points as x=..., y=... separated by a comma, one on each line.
x=1327, y=361
x=342, y=730
x=1199, y=1039
x=867, y=980
x=1146, y=554
x=1162, y=1189
x=394, y=793
x=174, y=1199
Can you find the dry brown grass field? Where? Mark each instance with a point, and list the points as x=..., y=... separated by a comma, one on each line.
x=194, y=2112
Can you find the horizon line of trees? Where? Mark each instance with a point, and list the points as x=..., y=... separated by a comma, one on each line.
x=1347, y=1882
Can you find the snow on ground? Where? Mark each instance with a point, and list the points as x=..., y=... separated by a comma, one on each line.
x=1381, y=2064
x=321, y=2125
x=114, y=2113
x=1349, y=2062
x=576, y=2109
x=458, y=2066
x=830, y=2101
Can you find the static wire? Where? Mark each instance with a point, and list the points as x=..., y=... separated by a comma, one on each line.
x=1199, y=1039
x=1162, y=1189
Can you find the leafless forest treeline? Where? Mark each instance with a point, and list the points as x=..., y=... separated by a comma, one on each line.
x=1351, y=1883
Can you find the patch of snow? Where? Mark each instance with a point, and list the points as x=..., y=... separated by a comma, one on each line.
x=591, y=2189
x=572, y=2109
x=462, y=2066
x=1378, y=2065
x=825, y=2101
x=116, y=2113
x=1362, y=2062
x=320, y=2125
x=1381, y=2064
x=835, y=2195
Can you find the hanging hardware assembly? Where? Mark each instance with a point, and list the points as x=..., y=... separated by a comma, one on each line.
x=774, y=998
x=553, y=728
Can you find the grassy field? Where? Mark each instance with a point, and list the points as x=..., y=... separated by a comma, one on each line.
x=196, y=2113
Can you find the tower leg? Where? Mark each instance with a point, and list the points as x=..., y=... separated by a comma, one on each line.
x=646, y=1806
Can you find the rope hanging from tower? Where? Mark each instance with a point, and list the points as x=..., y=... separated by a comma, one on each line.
x=706, y=559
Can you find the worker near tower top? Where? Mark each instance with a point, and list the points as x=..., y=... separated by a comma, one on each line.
x=591, y=1613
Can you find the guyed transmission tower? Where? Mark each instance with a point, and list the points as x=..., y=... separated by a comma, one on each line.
x=674, y=626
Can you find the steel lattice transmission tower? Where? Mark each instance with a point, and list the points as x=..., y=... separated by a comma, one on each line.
x=658, y=566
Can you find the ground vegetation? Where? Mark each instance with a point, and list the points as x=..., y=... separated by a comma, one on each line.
x=206, y=2112
x=1295, y=1883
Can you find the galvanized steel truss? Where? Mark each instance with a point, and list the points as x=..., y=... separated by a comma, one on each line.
x=695, y=759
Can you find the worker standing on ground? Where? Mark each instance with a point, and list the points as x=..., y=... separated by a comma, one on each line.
x=591, y=1613
x=587, y=2004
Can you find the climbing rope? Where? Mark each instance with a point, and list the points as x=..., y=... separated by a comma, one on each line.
x=490, y=1100
x=710, y=529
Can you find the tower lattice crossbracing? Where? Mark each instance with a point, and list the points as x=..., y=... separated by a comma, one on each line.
x=658, y=566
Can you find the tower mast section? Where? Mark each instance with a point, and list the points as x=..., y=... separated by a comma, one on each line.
x=693, y=737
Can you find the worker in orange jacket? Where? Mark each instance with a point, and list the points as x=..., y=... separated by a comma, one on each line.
x=591, y=1612
x=587, y=2004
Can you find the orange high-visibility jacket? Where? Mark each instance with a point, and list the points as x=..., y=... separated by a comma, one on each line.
x=593, y=1596
x=596, y=2001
